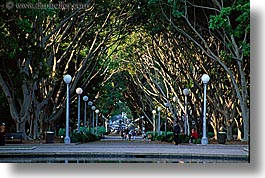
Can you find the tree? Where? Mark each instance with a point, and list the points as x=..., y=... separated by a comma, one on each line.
x=46, y=44
x=152, y=49
x=176, y=54
x=221, y=32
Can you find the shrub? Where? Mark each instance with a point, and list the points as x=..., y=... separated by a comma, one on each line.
x=92, y=137
x=184, y=138
x=210, y=134
x=83, y=137
x=61, y=132
x=101, y=130
x=196, y=141
x=151, y=135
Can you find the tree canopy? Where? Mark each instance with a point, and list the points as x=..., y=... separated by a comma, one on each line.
x=127, y=55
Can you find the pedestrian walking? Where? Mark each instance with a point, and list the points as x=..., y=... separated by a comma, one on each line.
x=130, y=134
x=122, y=134
x=126, y=134
x=144, y=136
x=134, y=134
x=176, y=133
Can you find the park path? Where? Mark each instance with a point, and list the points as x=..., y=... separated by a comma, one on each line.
x=114, y=148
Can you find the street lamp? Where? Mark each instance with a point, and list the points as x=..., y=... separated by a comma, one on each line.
x=142, y=119
x=90, y=103
x=158, y=120
x=96, y=111
x=85, y=98
x=186, y=121
x=175, y=109
x=67, y=79
x=205, y=79
x=106, y=123
x=167, y=106
x=79, y=91
x=93, y=123
x=154, y=120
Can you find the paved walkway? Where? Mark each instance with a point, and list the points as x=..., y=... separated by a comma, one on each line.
x=112, y=148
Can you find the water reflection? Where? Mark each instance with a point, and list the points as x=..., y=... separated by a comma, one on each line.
x=83, y=160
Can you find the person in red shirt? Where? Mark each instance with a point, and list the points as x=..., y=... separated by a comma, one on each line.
x=194, y=136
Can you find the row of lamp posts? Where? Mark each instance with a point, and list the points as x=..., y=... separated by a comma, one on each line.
x=67, y=79
x=205, y=79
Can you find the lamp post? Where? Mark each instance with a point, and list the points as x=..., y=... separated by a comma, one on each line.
x=106, y=123
x=167, y=106
x=142, y=120
x=67, y=79
x=154, y=120
x=96, y=111
x=93, y=116
x=158, y=120
x=90, y=103
x=175, y=110
x=186, y=121
x=85, y=98
x=205, y=79
x=78, y=91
